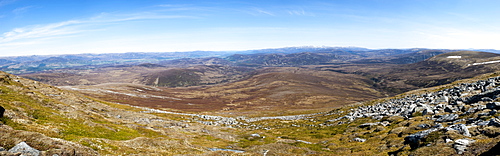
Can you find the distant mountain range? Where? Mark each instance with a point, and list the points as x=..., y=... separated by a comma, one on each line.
x=288, y=56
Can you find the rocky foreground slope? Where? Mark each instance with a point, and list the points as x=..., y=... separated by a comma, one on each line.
x=451, y=118
x=460, y=118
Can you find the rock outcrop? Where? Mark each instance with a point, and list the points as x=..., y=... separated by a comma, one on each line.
x=458, y=109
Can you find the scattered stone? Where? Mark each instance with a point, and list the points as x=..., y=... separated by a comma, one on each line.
x=447, y=140
x=305, y=142
x=421, y=109
x=483, y=114
x=359, y=139
x=486, y=99
x=461, y=145
x=447, y=118
x=385, y=123
x=448, y=109
x=428, y=112
x=493, y=105
x=222, y=149
x=438, y=126
x=414, y=139
x=255, y=135
x=265, y=152
x=442, y=99
x=460, y=128
x=492, y=112
x=24, y=149
x=424, y=126
x=367, y=125
x=494, y=122
x=483, y=123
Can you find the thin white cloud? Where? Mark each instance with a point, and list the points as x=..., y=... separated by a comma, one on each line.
x=21, y=10
x=40, y=31
x=72, y=27
x=6, y=2
x=258, y=12
x=190, y=9
x=108, y=18
x=299, y=12
x=177, y=7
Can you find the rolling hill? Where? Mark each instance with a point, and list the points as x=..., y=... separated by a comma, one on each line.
x=327, y=102
x=269, y=89
x=437, y=70
x=458, y=118
x=44, y=63
x=215, y=84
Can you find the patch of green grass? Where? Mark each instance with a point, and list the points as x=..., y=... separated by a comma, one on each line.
x=210, y=141
x=9, y=122
x=76, y=129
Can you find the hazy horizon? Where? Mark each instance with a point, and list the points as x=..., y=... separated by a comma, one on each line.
x=75, y=27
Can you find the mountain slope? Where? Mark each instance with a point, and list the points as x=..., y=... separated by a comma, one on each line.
x=459, y=118
x=438, y=70
x=232, y=88
x=455, y=119
x=64, y=123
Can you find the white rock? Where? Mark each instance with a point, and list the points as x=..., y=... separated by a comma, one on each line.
x=25, y=149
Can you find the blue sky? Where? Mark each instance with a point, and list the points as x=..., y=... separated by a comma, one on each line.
x=39, y=27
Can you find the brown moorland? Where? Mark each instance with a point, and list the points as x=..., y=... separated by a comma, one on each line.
x=275, y=90
x=55, y=120
x=223, y=89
